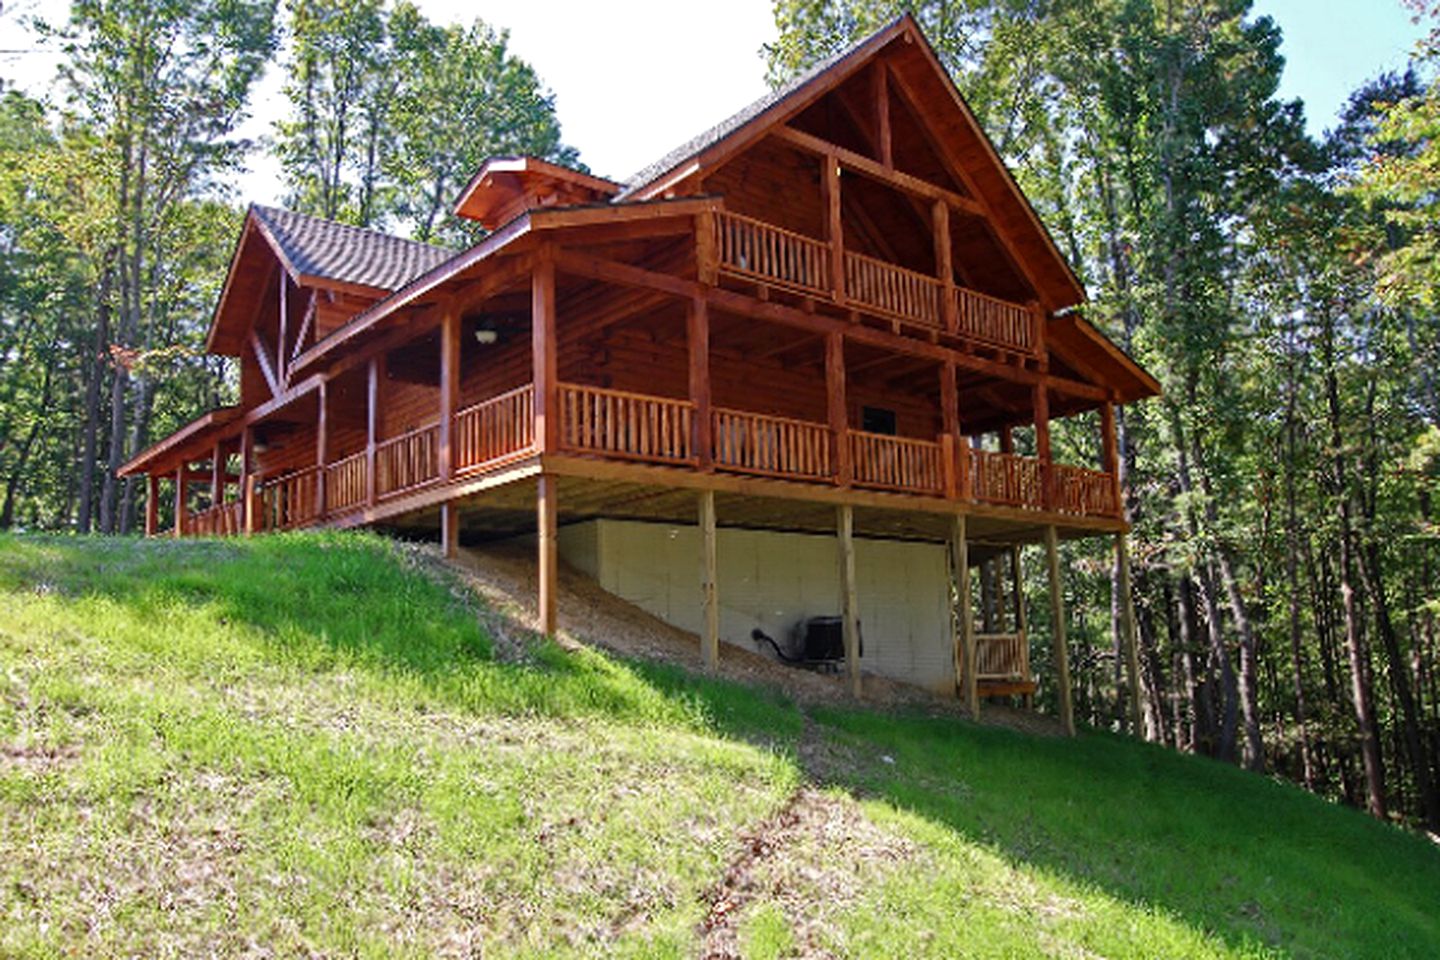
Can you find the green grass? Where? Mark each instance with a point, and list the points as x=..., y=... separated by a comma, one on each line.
x=308, y=744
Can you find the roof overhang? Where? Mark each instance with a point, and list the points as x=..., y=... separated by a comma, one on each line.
x=185, y=444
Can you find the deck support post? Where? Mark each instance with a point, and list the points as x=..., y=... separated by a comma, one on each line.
x=1127, y=630
x=322, y=447
x=373, y=375
x=152, y=504
x=546, y=546
x=542, y=345
x=849, y=599
x=838, y=405
x=1057, y=621
x=1041, y=404
x=966, y=655
x=709, y=574
x=180, y=501
x=449, y=390
x=217, y=474
x=697, y=321
x=450, y=529
x=1021, y=616
x=247, y=495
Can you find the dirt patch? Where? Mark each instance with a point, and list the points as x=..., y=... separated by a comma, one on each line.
x=813, y=859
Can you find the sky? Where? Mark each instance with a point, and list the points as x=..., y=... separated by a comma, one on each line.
x=634, y=78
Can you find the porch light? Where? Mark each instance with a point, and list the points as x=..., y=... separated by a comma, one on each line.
x=486, y=336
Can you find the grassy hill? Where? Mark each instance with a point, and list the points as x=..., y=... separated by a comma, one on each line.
x=318, y=745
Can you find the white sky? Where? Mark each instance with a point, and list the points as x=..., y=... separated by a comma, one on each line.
x=634, y=78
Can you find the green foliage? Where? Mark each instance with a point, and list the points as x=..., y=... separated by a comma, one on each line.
x=391, y=114
x=308, y=743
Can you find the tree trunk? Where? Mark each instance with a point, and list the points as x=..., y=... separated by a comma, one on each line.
x=97, y=367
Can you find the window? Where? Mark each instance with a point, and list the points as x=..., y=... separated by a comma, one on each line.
x=877, y=420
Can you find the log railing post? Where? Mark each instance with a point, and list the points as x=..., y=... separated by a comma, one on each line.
x=834, y=224
x=449, y=390
x=1041, y=405
x=544, y=360
x=698, y=339
x=1057, y=625
x=152, y=504
x=180, y=500
x=217, y=474
x=247, y=455
x=322, y=447
x=251, y=492
x=837, y=405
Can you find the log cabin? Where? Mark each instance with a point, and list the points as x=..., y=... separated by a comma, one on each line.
x=803, y=366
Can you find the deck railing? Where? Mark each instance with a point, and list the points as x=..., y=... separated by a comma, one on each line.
x=763, y=251
x=288, y=501
x=892, y=291
x=1002, y=656
x=221, y=520
x=409, y=460
x=896, y=463
x=1006, y=479
x=345, y=487
x=771, y=446
x=631, y=426
x=496, y=428
x=1083, y=492
x=994, y=321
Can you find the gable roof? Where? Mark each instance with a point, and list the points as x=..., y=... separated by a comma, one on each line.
x=317, y=249
x=915, y=63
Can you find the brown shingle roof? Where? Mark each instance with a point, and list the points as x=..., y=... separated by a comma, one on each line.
x=339, y=252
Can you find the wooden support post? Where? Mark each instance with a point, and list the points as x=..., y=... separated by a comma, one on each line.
x=707, y=260
x=543, y=351
x=547, y=546
x=967, y=662
x=373, y=376
x=152, y=504
x=449, y=389
x=217, y=474
x=254, y=506
x=838, y=405
x=1057, y=622
x=450, y=529
x=1109, y=452
x=1041, y=403
x=697, y=323
x=950, y=420
x=180, y=501
x=284, y=320
x=1127, y=630
x=940, y=215
x=849, y=600
x=1007, y=439
x=1021, y=617
x=247, y=495
x=709, y=573
x=834, y=224
x=322, y=446
x=881, y=95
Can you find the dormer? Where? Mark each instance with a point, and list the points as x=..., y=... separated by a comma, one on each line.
x=506, y=187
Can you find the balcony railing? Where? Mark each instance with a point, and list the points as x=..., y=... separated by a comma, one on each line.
x=495, y=429
x=892, y=291
x=1006, y=479
x=762, y=251
x=1084, y=492
x=345, y=484
x=896, y=463
x=407, y=461
x=996, y=322
x=772, y=446
x=221, y=520
x=1003, y=657
x=630, y=426
x=288, y=501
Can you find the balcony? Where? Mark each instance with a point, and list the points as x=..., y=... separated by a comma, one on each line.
x=754, y=250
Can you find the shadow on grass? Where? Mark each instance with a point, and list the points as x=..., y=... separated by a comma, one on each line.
x=1254, y=863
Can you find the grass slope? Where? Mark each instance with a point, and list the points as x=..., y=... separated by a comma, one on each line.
x=310, y=744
